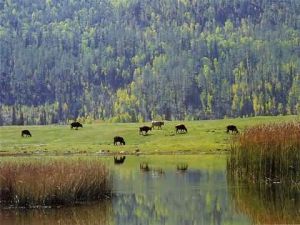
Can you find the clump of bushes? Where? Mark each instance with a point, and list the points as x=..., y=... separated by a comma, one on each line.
x=268, y=152
x=52, y=183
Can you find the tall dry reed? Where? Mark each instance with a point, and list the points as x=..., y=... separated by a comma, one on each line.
x=30, y=184
x=268, y=152
x=264, y=169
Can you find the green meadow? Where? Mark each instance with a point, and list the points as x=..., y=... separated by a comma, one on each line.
x=204, y=136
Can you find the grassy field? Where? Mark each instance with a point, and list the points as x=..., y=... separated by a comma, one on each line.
x=205, y=136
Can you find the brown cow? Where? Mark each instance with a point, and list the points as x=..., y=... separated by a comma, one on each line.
x=157, y=124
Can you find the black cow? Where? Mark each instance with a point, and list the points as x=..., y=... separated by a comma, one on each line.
x=144, y=130
x=119, y=160
x=76, y=125
x=181, y=128
x=232, y=128
x=157, y=124
x=118, y=139
x=26, y=133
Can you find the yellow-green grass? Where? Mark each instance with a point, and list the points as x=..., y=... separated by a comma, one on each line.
x=33, y=182
x=205, y=136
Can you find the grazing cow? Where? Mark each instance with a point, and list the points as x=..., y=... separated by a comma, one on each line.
x=119, y=160
x=144, y=130
x=76, y=125
x=232, y=128
x=157, y=124
x=118, y=139
x=25, y=133
x=181, y=128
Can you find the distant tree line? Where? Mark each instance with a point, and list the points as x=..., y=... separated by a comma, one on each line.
x=136, y=60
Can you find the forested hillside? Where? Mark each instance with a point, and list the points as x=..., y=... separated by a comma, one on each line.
x=135, y=60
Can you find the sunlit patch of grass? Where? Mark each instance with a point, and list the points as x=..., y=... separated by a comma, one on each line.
x=52, y=183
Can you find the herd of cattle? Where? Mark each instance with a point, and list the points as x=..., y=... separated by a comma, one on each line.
x=180, y=128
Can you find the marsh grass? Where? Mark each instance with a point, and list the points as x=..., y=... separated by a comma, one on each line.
x=267, y=152
x=52, y=183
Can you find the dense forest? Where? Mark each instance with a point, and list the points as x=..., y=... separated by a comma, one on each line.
x=137, y=60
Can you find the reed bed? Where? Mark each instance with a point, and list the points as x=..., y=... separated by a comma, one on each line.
x=264, y=169
x=52, y=183
x=267, y=153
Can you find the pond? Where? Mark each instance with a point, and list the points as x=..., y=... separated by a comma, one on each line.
x=162, y=195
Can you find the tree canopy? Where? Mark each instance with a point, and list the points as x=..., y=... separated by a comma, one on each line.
x=136, y=60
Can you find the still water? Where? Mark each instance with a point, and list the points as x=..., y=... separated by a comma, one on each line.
x=200, y=195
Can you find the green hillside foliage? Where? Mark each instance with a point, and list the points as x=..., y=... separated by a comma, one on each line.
x=137, y=60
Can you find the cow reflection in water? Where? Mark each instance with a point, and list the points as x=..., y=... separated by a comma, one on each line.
x=182, y=167
x=119, y=159
x=144, y=167
x=155, y=172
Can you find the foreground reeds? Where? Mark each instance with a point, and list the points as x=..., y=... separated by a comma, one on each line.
x=269, y=153
x=52, y=183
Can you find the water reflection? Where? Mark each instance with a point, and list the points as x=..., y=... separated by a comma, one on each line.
x=266, y=203
x=193, y=197
x=91, y=214
x=197, y=196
